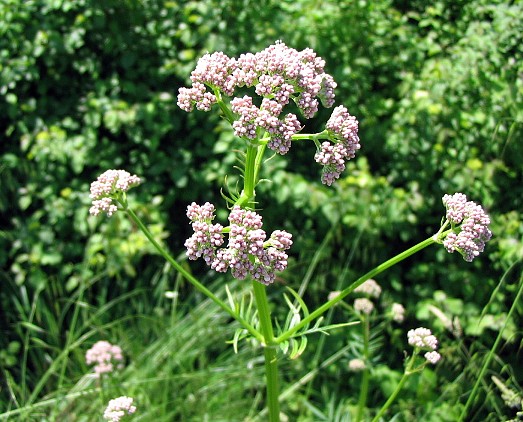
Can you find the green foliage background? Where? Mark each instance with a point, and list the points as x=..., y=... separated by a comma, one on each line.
x=88, y=85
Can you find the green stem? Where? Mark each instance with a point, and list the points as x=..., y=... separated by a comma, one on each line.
x=364, y=390
x=393, y=396
x=257, y=162
x=191, y=278
x=253, y=162
x=270, y=351
x=250, y=171
x=491, y=354
x=372, y=273
x=227, y=112
x=311, y=136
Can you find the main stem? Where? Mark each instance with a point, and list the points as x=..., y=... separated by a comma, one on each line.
x=270, y=351
x=253, y=161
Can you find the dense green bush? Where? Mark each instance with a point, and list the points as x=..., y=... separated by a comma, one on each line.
x=91, y=85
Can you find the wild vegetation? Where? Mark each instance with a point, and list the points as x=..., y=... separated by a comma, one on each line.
x=91, y=85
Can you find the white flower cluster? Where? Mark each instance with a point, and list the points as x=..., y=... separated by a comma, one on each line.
x=118, y=408
x=422, y=338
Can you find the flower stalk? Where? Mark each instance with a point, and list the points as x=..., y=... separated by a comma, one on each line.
x=371, y=274
x=408, y=372
x=270, y=349
x=199, y=286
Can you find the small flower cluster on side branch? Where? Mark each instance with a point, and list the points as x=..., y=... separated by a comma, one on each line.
x=343, y=130
x=470, y=226
x=110, y=185
x=118, y=408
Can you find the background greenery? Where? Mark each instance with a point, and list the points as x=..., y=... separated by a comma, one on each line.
x=88, y=85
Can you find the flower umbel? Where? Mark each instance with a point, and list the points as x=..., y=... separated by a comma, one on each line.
x=422, y=339
x=277, y=75
x=110, y=185
x=105, y=355
x=469, y=223
x=118, y=408
x=248, y=252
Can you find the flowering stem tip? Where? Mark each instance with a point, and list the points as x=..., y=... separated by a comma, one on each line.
x=276, y=76
x=111, y=186
x=469, y=227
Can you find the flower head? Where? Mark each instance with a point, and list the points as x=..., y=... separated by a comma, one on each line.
x=422, y=338
x=207, y=236
x=398, y=312
x=105, y=355
x=110, y=185
x=363, y=305
x=432, y=357
x=278, y=74
x=333, y=294
x=118, y=408
x=470, y=226
x=248, y=252
x=343, y=131
x=356, y=365
x=369, y=287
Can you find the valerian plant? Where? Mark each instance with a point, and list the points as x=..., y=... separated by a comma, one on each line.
x=280, y=80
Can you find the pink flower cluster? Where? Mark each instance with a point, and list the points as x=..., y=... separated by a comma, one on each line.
x=118, y=408
x=108, y=185
x=248, y=252
x=343, y=130
x=105, y=355
x=473, y=229
x=278, y=73
x=422, y=338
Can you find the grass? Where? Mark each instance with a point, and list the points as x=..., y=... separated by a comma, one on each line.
x=180, y=367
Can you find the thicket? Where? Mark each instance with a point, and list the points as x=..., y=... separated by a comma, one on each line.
x=91, y=85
